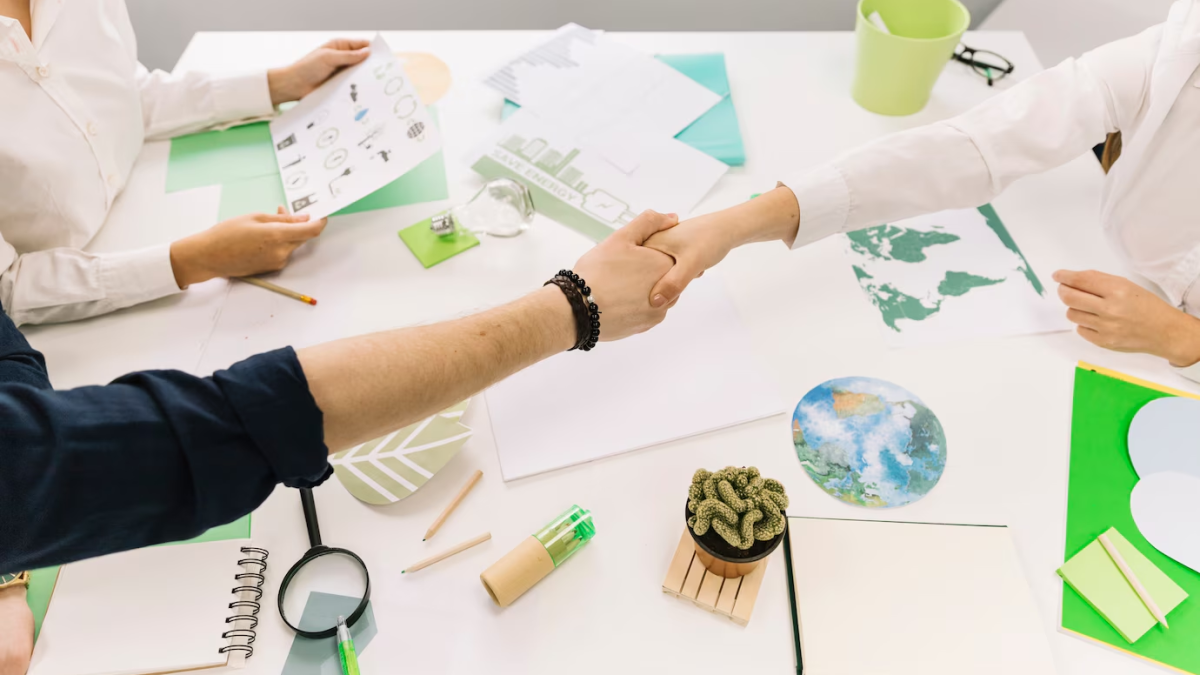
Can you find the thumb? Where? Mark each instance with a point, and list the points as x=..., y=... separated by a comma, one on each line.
x=303, y=231
x=341, y=58
x=647, y=225
x=670, y=287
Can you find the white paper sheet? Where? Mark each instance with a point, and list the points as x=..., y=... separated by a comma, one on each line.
x=692, y=374
x=1165, y=509
x=356, y=133
x=592, y=82
x=154, y=610
x=1165, y=436
x=948, y=276
x=653, y=171
x=913, y=599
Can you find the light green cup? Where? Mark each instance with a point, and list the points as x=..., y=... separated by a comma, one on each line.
x=895, y=72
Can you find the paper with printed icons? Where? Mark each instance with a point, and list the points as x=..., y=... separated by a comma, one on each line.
x=392, y=467
x=358, y=132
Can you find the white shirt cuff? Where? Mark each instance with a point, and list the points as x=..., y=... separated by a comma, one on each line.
x=240, y=96
x=133, y=277
x=1192, y=372
x=824, y=201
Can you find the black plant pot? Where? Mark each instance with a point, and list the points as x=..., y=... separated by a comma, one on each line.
x=727, y=561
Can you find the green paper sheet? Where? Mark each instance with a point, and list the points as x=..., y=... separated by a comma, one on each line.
x=1094, y=575
x=431, y=249
x=41, y=582
x=263, y=194
x=1101, y=480
x=215, y=157
x=714, y=133
x=425, y=183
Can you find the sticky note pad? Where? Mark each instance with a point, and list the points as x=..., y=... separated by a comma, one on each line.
x=1094, y=575
x=431, y=249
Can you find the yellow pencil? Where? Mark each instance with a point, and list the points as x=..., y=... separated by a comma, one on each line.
x=277, y=289
x=453, y=505
x=446, y=554
x=1133, y=580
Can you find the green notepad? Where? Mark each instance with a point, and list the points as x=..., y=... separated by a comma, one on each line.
x=431, y=249
x=715, y=133
x=1094, y=575
x=1101, y=480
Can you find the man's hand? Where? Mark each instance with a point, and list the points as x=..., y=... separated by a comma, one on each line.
x=702, y=242
x=621, y=272
x=241, y=246
x=1117, y=314
x=294, y=82
x=16, y=632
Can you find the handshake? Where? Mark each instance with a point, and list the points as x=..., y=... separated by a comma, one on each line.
x=640, y=271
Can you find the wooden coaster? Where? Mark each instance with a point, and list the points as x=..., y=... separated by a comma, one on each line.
x=732, y=598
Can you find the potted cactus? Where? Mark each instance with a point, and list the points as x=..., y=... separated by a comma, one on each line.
x=736, y=518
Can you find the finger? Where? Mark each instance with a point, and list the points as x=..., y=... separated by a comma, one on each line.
x=1085, y=319
x=340, y=58
x=1091, y=335
x=1082, y=300
x=282, y=217
x=281, y=211
x=301, y=232
x=1091, y=281
x=645, y=225
x=347, y=44
x=670, y=287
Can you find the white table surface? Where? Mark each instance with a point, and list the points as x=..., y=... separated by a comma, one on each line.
x=1005, y=403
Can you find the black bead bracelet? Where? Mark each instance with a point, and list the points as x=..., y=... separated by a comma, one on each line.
x=583, y=307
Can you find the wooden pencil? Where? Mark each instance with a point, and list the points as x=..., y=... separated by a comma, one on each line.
x=278, y=289
x=446, y=554
x=1133, y=580
x=437, y=524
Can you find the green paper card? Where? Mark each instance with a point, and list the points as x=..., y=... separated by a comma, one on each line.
x=1094, y=575
x=431, y=249
x=215, y=157
x=263, y=194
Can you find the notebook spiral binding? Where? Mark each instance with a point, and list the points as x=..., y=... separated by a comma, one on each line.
x=246, y=607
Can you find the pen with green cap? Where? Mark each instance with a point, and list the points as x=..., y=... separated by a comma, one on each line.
x=346, y=648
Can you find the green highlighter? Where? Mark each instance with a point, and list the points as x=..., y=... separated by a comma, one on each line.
x=346, y=648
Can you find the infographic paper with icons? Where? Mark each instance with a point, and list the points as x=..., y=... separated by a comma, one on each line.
x=356, y=133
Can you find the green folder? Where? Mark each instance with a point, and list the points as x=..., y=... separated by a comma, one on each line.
x=1095, y=576
x=1101, y=478
x=714, y=133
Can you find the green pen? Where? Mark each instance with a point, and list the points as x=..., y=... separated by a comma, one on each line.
x=346, y=648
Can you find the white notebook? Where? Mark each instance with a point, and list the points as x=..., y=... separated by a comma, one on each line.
x=153, y=610
x=884, y=598
x=694, y=373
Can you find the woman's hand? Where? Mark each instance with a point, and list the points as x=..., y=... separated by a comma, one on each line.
x=1117, y=314
x=241, y=246
x=294, y=82
x=16, y=627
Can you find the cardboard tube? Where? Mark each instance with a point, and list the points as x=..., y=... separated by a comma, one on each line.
x=517, y=572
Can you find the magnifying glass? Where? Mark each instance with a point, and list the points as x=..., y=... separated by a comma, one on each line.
x=324, y=584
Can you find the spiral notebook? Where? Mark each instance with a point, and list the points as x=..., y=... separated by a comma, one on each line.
x=163, y=609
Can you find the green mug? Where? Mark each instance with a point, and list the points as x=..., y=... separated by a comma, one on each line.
x=897, y=68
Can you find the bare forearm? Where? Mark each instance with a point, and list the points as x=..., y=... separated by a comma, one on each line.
x=370, y=385
x=771, y=216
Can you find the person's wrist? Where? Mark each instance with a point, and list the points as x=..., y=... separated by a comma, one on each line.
x=1184, y=345
x=13, y=594
x=186, y=257
x=557, y=309
x=280, y=82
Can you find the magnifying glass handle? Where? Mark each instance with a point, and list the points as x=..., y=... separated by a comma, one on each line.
x=310, y=516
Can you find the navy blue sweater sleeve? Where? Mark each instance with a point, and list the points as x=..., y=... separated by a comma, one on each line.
x=152, y=457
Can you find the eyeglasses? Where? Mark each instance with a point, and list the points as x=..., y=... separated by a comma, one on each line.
x=988, y=64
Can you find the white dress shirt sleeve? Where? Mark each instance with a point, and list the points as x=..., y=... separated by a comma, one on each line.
x=188, y=102
x=62, y=284
x=1043, y=122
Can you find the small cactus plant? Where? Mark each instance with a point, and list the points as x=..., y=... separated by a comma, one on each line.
x=739, y=504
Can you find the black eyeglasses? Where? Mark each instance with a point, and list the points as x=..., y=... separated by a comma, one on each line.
x=988, y=64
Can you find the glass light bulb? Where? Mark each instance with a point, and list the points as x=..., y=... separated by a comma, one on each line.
x=501, y=208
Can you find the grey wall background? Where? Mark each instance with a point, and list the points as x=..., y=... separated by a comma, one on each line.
x=165, y=26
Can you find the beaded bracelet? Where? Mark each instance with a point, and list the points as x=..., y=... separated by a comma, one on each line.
x=583, y=307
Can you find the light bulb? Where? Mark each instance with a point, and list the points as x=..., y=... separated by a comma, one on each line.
x=502, y=208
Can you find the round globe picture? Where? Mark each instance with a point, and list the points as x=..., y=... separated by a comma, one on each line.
x=869, y=442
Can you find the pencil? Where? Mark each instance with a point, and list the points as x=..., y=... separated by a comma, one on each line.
x=453, y=505
x=446, y=554
x=277, y=289
x=1133, y=580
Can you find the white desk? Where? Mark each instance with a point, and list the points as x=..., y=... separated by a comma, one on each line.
x=1005, y=404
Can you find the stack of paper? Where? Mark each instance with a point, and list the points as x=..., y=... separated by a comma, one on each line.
x=594, y=138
